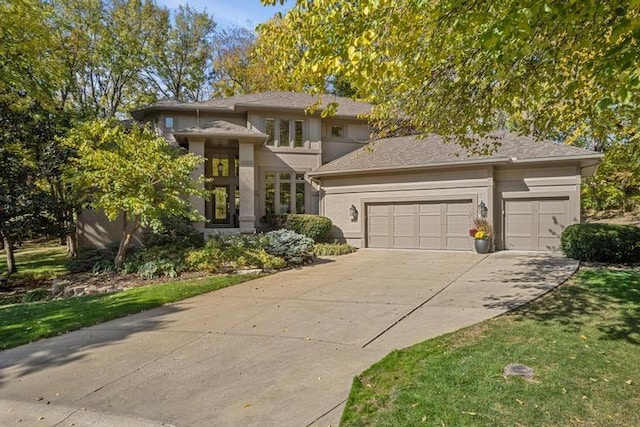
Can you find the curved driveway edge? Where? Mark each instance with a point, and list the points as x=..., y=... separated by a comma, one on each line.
x=277, y=351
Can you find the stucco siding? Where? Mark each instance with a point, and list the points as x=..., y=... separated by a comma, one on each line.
x=96, y=231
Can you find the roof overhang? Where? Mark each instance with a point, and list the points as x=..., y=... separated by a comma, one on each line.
x=587, y=162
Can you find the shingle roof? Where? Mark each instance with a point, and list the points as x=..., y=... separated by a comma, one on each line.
x=266, y=100
x=221, y=128
x=411, y=152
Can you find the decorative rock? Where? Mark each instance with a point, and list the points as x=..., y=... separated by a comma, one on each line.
x=518, y=370
x=250, y=271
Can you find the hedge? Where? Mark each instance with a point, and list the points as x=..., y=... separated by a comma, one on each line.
x=602, y=242
x=314, y=227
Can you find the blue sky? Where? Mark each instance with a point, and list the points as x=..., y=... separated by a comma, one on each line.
x=245, y=13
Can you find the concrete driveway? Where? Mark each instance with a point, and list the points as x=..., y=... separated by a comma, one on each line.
x=277, y=351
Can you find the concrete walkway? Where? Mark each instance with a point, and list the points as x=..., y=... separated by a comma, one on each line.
x=277, y=351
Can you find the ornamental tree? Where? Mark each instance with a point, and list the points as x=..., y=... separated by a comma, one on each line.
x=552, y=68
x=133, y=174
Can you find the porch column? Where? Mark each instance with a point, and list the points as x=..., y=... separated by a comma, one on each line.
x=247, y=187
x=196, y=146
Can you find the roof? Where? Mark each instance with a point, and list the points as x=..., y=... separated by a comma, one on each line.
x=221, y=128
x=413, y=152
x=265, y=100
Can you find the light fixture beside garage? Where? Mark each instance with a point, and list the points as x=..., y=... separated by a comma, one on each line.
x=482, y=209
x=353, y=213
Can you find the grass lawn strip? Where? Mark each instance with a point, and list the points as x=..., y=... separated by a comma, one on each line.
x=24, y=323
x=583, y=341
x=40, y=263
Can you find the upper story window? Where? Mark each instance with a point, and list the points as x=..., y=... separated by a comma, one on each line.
x=284, y=132
x=270, y=129
x=337, y=131
x=168, y=122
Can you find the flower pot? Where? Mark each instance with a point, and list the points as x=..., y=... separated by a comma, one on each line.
x=482, y=245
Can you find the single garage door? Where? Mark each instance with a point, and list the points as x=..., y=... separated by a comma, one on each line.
x=535, y=224
x=423, y=225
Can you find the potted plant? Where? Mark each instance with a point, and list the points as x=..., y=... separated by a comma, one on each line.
x=482, y=233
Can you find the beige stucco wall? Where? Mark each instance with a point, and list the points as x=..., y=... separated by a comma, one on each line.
x=96, y=231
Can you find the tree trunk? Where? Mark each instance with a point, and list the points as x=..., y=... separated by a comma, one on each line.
x=11, y=259
x=127, y=235
x=122, y=250
x=72, y=244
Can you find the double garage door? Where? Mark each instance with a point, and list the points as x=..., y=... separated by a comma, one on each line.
x=420, y=225
x=535, y=224
x=529, y=224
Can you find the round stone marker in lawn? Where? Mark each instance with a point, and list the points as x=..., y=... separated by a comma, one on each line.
x=517, y=370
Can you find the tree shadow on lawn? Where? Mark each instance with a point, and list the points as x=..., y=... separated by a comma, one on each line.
x=76, y=346
x=612, y=294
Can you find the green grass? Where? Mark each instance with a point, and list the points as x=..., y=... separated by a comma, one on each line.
x=583, y=340
x=24, y=323
x=39, y=263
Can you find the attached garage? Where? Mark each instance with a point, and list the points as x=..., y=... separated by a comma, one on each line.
x=535, y=224
x=422, y=225
x=423, y=193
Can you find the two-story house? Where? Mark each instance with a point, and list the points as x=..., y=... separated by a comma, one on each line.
x=267, y=154
x=258, y=148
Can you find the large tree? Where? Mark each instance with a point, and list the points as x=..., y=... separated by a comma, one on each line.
x=106, y=47
x=552, y=68
x=132, y=174
x=182, y=68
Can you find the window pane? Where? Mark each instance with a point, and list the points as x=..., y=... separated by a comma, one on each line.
x=285, y=197
x=270, y=193
x=299, y=138
x=168, y=122
x=300, y=177
x=285, y=139
x=270, y=129
x=220, y=163
x=220, y=203
x=336, y=131
x=300, y=197
x=285, y=177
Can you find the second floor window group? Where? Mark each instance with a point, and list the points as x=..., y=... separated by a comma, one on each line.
x=284, y=132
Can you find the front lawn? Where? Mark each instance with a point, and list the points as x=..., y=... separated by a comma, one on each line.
x=38, y=263
x=23, y=323
x=583, y=340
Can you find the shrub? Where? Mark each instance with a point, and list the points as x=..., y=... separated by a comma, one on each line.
x=314, y=227
x=233, y=251
x=601, y=242
x=94, y=260
x=157, y=261
x=177, y=232
x=332, y=249
x=293, y=247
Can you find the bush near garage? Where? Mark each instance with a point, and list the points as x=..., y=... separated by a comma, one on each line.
x=313, y=226
x=333, y=249
x=602, y=242
x=293, y=247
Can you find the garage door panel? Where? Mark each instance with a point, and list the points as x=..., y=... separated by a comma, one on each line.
x=535, y=224
x=420, y=225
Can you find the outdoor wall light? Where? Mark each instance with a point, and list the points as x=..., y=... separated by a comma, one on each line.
x=220, y=168
x=483, y=210
x=353, y=214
